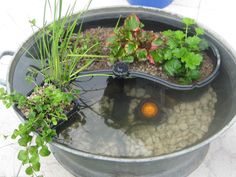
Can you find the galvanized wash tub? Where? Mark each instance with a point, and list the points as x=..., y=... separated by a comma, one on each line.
x=177, y=164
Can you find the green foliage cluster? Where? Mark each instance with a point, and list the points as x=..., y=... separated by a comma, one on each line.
x=131, y=42
x=42, y=110
x=183, y=53
x=179, y=53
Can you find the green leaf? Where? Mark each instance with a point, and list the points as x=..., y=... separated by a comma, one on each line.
x=15, y=134
x=188, y=21
x=2, y=92
x=128, y=59
x=33, y=150
x=172, y=67
x=36, y=166
x=34, y=158
x=179, y=34
x=39, y=141
x=22, y=155
x=199, y=31
x=141, y=53
x=24, y=140
x=111, y=40
x=157, y=56
x=129, y=35
x=192, y=60
x=168, y=55
x=31, y=114
x=132, y=23
x=168, y=33
x=32, y=22
x=54, y=121
x=29, y=170
x=8, y=104
x=157, y=42
x=130, y=48
x=193, y=42
x=172, y=43
x=193, y=74
x=44, y=151
x=179, y=52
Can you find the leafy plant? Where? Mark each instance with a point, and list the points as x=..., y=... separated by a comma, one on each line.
x=130, y=42
x=178, y=52
x=47, y=105
x=43, y=109
x=183, y=53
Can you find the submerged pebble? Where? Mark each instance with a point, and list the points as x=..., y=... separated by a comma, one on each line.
x=185, y=124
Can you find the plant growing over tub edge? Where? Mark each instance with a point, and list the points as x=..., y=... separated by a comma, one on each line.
x=48, y=104
x=179, y=53
x=42, y=110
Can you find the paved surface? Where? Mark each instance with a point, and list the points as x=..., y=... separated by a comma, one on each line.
x=219, y=16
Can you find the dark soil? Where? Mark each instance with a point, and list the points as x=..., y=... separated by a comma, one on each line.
x=100, y=64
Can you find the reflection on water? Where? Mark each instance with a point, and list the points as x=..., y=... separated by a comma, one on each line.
x=115, y=127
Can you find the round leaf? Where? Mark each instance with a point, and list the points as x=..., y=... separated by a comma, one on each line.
x=44, y=151
x=141, y=53
x=36, y=166
x=172, y=67
x=29, y=171
x=22, y=155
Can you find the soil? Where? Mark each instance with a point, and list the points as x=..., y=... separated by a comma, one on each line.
x=102, y=34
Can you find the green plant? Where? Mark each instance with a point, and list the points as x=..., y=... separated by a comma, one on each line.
x=47, y=105
x=43, y=109
x=131, y=42
x=182, y=55
x=54, y=46
x=179, y=53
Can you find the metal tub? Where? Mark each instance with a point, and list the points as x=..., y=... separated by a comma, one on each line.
x=177, y=164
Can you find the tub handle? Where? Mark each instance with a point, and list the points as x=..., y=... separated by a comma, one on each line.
x=5, y=53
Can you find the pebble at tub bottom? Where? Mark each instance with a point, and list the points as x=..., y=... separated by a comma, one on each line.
x=186, y=123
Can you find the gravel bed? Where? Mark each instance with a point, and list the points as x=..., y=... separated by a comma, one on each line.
x=185, y=124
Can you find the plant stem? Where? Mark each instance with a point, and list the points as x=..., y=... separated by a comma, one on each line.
x=88, y=56
x=186, y=32
x=92, y=75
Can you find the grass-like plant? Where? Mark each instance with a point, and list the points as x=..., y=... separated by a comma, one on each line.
x=55, y=52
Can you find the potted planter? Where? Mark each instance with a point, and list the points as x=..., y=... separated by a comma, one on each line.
x=172, y=58
x=180, y=162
